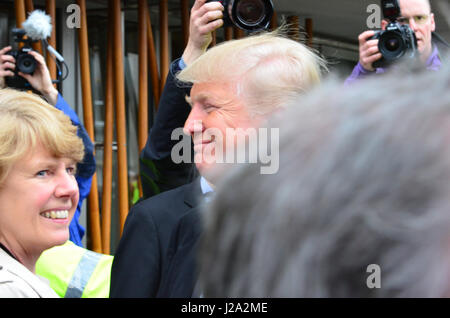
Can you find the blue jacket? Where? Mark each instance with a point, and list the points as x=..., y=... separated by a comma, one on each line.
x=85, y=169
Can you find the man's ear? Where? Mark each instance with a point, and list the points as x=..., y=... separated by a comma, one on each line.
x=384, y=23
x=433, y=24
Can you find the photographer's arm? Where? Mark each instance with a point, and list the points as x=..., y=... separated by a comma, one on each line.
x=7, y=63
x=158, y=172
x=368, y=53
x=85, y=169
x=41, y=80
x=205, y=18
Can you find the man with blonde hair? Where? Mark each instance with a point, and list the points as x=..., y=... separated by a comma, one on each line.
x=237, y=85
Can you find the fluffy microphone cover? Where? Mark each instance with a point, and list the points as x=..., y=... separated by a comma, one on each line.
x=38, y=25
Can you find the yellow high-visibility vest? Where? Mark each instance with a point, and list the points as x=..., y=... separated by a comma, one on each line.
x=75, y=272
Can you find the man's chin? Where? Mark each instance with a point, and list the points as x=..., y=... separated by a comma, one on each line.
x=212, y=172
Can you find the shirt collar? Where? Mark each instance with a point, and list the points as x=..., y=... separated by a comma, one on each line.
x=433, y=60
x=205, y=186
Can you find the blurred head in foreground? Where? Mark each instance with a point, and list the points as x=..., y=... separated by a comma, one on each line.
x=364, y=180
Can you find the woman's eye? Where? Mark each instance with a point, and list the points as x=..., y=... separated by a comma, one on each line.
x=71, y=170
x=42, y=173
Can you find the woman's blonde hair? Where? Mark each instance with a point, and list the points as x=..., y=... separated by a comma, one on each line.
x=25, y=120
x=267, y=70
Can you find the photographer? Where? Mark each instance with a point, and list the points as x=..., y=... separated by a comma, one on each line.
x=416, y=13
x=41, y=81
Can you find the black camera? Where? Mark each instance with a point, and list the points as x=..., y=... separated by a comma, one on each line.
x=249, y=15
x=397, y=41
x=25, y=62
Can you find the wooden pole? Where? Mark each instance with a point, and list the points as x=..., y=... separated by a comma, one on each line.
x=143, y=79
x=19, y=6
x=309, y=31
x=238, y=33
x=143, y=76
x=51, y=11
x=274, y=21
x=228, y=33
x=153, y=61
x=214, y=38
x=164, y=40
x=93, y=208
x=108, y=140
x=294, y=27
x=185, y=21
x=29, y=7
x=119, y=88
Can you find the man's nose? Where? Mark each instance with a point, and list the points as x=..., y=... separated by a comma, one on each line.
x=66, y=185
x=194, y=122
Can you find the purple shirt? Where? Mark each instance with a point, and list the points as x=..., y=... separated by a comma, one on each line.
x=433, y=63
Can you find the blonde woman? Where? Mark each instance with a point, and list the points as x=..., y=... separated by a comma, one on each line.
x=39, y=151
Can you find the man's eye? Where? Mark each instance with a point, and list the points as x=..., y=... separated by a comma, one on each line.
x=420, y=18
x=210, y=108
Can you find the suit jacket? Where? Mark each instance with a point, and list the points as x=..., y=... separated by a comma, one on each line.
x=156, y=255
x=16, y=281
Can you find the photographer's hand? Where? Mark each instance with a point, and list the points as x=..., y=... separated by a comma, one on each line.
x=205, y=18
x=7, y=64
x=368, y=50
x=41, y=79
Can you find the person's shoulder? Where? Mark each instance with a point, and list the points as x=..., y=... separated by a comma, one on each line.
x=12, y=286
x=173, y=195
x=5, y=275
x=167, y=204
x=442, y=45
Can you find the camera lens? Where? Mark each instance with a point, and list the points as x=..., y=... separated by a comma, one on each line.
x=392, y=44
x=395, y=42
x=250, y=15
x=25, y=63
x=250, y=12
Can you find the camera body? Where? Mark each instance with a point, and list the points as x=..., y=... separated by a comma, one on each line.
x=25, y=62
x=249, y=15
x=397, y=40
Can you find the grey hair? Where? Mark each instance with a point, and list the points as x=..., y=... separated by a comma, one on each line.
x=364, y=179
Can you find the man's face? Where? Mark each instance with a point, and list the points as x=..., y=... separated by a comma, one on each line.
x=421, y=21
x=216, y=108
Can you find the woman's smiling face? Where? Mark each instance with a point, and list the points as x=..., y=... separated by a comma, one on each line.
x=37, y=202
